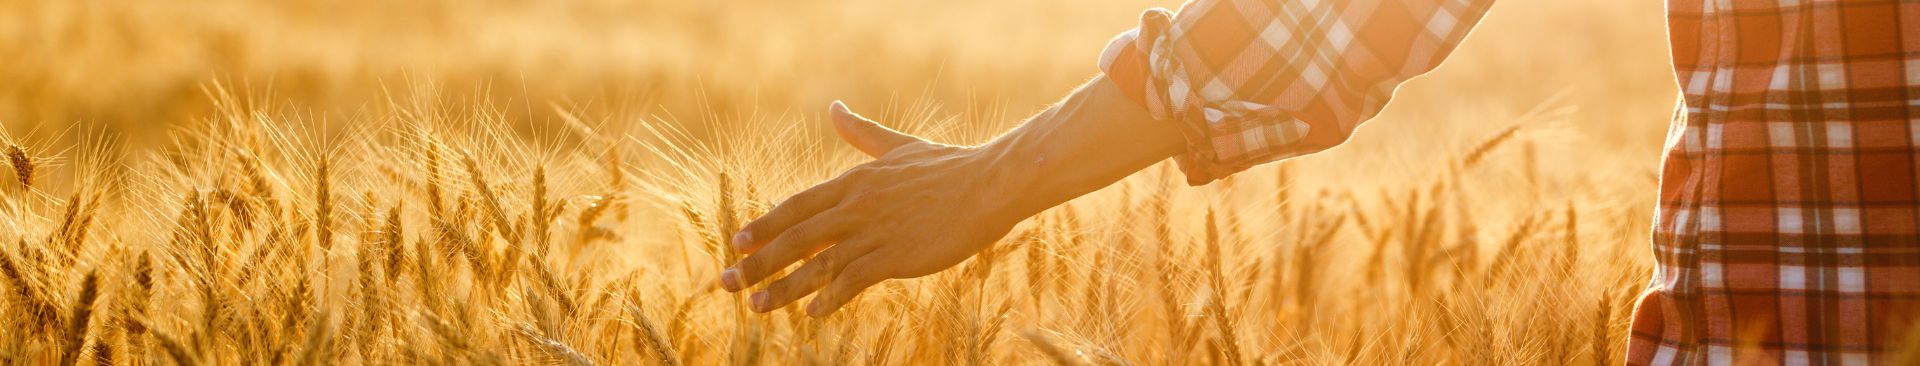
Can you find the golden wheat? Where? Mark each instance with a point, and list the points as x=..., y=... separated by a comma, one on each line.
x=554, y=182
x=485, y=283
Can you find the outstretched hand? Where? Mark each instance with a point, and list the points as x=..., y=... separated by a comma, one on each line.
x=918, y=208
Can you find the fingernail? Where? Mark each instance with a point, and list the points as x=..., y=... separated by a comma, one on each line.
x=742, y=240
x=730, y=279
x=761, y=302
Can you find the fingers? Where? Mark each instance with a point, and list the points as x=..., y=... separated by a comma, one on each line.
x=855, y=277
x=794, y=210
x=812, y=276
x=865, y=134
x=795, y=243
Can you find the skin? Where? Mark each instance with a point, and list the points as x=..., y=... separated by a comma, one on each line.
x=921, y=207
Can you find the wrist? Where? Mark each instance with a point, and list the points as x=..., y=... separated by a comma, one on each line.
x=1094, y=138
x=1016, y=182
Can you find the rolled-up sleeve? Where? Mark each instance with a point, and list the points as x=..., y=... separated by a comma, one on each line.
x=1256, y=81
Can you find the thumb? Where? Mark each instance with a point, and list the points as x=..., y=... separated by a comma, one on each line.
x=865, y=134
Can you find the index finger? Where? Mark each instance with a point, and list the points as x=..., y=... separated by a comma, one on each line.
x=794, y=210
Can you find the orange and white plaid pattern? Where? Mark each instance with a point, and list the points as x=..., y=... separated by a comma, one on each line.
x=1259, y=81
x=1787, y=224
x=1788, y=230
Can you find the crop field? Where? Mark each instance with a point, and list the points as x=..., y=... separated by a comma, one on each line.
x=457, y=182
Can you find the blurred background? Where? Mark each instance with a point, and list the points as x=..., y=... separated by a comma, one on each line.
x=1536, y=143
x=137, y=67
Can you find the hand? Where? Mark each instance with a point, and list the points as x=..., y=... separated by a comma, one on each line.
x=921, y=207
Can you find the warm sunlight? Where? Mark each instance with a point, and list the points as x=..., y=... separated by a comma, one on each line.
x=853, y=182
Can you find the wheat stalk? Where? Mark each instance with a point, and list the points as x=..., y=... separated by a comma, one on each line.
x=323, y=204
x=555, y=348
x=78, y=318
x=478, y=179
x=175, y=350
x=1129, y=275
x=1216, y=307
x=1054, y=352
x=1603, y=330
x=23, y=166
x=652, y=339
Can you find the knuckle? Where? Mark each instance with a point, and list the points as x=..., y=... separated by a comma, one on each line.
x=858, y=200
x=811, y=196
x=828, y=261
x=817, y=277
x=832, y=293
x=791, y=209
x=757, y=227
x=794, y=285
x=843, y=291
x=781, y=289
x=890, y=194
x=823, y=278
x=856, y=275
x=868, y=199
x=766, y=267
x=870, y=171
x=858, y=173
x=834, y=222
x=800, y=233
x=750, y=268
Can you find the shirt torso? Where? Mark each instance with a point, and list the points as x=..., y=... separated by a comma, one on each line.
x=1788, y=213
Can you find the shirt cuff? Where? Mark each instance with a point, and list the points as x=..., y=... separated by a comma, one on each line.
x=1127, y=63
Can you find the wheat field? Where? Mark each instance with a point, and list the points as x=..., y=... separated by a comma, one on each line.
x=494, y=182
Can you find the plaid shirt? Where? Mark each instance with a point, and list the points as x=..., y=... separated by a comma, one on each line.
x=1788, y=218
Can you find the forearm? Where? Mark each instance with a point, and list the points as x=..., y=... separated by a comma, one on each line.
x=1095, y=137
x=921, y=207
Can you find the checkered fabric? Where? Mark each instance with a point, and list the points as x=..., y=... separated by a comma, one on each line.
x=1788, y=230
x=1259, y=81
x=1787, y=223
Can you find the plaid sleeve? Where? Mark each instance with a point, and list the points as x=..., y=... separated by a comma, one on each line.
x=1256, y=81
